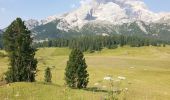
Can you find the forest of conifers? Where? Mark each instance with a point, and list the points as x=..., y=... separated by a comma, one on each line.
x=96, y=43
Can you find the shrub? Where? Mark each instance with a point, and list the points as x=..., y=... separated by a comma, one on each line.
x=48, y=75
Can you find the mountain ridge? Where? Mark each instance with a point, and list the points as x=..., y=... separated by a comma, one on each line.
x=106, y=17
x=114, y=11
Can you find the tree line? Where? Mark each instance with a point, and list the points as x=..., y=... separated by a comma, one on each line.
x=1, y=44
x=96, y=43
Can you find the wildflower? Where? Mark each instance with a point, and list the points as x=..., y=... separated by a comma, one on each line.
x=108, y=78
x=121, y=77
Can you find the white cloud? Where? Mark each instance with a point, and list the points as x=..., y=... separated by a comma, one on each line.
x=84, y=2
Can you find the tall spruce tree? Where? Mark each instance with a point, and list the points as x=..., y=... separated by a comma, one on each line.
x=18, y=44
x=76, y=75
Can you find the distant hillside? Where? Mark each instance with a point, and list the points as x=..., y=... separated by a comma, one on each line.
x=49, y=31
x=140, y=28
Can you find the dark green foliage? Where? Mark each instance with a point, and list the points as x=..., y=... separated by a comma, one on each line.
x=47, y=31
x=96, y=43
x=48, y=75
x=113, y=47
x=122, y=40
x=1, y=45
x=18, y=44
x=76, y=75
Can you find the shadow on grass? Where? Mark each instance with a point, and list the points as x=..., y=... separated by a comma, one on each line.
x=43, y=83
x=95, y=89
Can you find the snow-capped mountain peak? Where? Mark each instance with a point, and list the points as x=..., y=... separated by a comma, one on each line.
x=31, y=23
x=111, y=11
x=115, y=12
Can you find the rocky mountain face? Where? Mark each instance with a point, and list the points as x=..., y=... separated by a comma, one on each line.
x=1, y=31
x=32, y=23
x=104, y=17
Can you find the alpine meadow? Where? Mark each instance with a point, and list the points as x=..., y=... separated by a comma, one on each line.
x=94, y=50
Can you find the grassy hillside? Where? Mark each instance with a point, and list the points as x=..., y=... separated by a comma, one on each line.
x=146, y=69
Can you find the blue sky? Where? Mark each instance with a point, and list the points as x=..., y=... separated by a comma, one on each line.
x=39, y=9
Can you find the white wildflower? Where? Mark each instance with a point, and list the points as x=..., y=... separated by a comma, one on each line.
x=108, y=78
x=121, y=77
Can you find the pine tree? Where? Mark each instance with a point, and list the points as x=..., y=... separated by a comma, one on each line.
x=18, y=45
x=48, y=75
x=122, y=40
x=76, y=75
x=1, y=42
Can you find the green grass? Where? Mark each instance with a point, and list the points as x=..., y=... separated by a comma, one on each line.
x=147, y=72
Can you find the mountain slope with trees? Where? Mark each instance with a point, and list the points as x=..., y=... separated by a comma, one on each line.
x=158, y=30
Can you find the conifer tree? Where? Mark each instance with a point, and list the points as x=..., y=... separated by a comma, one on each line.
x=48, y=75
x=76, y=75
x=1, y=42
x=18, y=45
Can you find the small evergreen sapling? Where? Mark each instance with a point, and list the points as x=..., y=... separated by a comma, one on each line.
x=48, y=75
